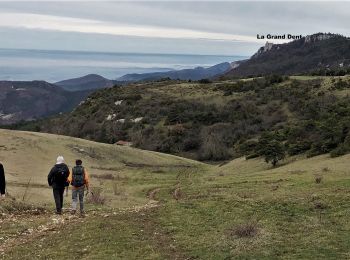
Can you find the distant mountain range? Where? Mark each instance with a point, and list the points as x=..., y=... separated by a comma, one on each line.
x=94, y=81
x=29, y=100
x=185, y=74
x=91, y=81
x=311, y=53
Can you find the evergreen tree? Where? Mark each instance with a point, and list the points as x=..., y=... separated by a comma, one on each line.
x=273, y=152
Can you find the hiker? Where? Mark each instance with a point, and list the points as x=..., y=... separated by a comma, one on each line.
x=79, y=179
x=58, y=180
x=2, y=181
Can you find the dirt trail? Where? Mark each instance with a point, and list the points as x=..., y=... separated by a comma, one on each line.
x=53, y=225
x=56, y=222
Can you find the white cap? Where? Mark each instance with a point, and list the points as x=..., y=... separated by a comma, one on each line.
x=60, y=159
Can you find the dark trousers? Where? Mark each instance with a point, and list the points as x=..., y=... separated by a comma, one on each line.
x=2, y=180
x=2, y=187
x=58, y=196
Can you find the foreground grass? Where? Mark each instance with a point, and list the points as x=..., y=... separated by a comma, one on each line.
x=118, y=237
x=198, y=211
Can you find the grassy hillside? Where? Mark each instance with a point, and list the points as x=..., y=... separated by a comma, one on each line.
x=28, y=157
x=244, y=209
x=216, y=120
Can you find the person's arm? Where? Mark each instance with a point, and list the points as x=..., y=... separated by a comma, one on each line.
x=70, y=177
x=67, y=176
x=50, y=177
x=87, y=179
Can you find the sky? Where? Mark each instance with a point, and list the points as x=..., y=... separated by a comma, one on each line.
x=211, y=27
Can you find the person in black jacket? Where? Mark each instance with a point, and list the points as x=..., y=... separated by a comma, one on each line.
x=57, y=179
x=2, y=181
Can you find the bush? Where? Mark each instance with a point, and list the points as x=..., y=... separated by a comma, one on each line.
x=318, y=179
x=96, y=196
x=191, y=143
x=249, y=229
x=205, y=81
x=213, y=146
x=342, y=149
x=298, y=147
x=252, y=156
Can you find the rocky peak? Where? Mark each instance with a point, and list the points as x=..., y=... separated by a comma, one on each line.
x=265, y=48
x=319, y=37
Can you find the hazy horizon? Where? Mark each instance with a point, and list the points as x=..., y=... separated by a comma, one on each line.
x=118, y=52
x=57, y=65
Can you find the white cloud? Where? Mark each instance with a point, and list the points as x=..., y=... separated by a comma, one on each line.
x=67, y=24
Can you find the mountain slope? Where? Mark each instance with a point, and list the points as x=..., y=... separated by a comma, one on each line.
x=306, y=55
x=88, y=82
x=28, y=100
x=185, y=74
x=217, y=120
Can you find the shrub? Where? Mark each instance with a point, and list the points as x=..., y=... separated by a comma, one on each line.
x=96, y=196
x=214, y=149
x=252, y=156
x=205, y=81
x=190, y=143
x=342, y=149
x=247, y=147
x=249, y=229
x=325, y=169
x=320, y=205
x=318, y=179
x=298, y=147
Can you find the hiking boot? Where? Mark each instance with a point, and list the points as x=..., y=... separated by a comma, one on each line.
x=59, y=212
x=82, y=214
x=73, y=212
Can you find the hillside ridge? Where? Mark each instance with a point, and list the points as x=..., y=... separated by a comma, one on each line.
x=310, y=54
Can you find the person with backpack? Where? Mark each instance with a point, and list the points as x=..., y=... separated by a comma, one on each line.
x=2, y=181
x=58, y=180
x=79, y=179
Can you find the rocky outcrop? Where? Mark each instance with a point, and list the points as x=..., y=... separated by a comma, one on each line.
x=267, y=47
x=320, y=37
